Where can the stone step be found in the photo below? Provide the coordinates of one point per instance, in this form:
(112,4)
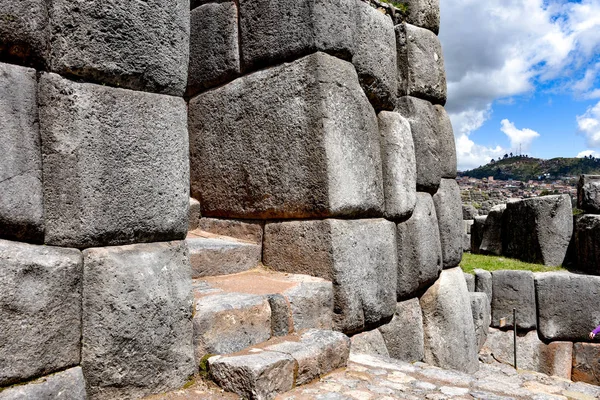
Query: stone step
(276,366)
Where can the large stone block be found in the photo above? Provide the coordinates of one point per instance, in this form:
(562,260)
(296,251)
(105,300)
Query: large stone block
(448,208)
(470,279)
(358,256)
(586,363)
(193,214)
(247,230)
(375,56)
(538,230)
(480,307)
(24,32)
(477,230)
(588,193)
(499,344)
(113,42)
(419,248)
(137,319)
(269,35)
(370,342)
(491,238)
(403,336)
(448,327)
(433,139)
(483,283)
(586,243)
(115,164)
(65,385)
(567,305)
(21,201)
(295,141)
(513,289)
(40,310)
(421,70)
(424,13)
(399,165)
(214,50)
(556,359)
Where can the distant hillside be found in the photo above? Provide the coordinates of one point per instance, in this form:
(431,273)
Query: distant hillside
(523,168)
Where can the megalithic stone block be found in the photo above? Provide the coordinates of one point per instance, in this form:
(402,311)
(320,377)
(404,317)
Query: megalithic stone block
(40,294)
(399,165)
(421,70)
(433,139)
(477,233)
(21,196)
(137,319)
(588,194)
(294,141)
(358,256)
(65,385)
(513,289)
(449,215)
(282,30)
(480,307)
(587,245)
(24,32)
(491,238)
(403,336)
(140,46)
(424,14)
(115,164)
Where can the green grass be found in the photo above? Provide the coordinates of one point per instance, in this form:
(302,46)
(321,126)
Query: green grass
(470,262)
(403,7)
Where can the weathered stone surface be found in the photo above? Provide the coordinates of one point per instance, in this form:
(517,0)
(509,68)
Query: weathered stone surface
(193,214)
(448,208)
(112,42)
(480,307)
(433,139)
(470,279)
(21,202)
(556,359)
(483,283)
(229,322)
(513,289)
(467,224)
(588,193)
(466,243)
(375,56)
(586,243)
(115,164)
(567,305)
(491,240)
(403,336)
(399,165)
(370,342)
(358,256)
(65,385)
(214,51)
(24,32)
(40,310)
(538,230)
(419,248)
(499,345)
(586,363)
(281,320)
(254,376)
(137,319)
(302,132)
(477,233)
(449,332)
(421,70)
(311,304)
(247,230)
(269,36)
(424,13)
(469,212)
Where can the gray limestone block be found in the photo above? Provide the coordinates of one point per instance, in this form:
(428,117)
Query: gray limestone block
(449,215)
(193,214)
(65,385)
(419,248)
(424,14)
(420,60)
(115,164)
(358,256)
(399,165)
(470,279)
(448,327)
(586,243)
(210,256)
(477,230)
(433,140)
(214,50)
(247,230)
(24,32)
(403,336)
(588,193)
(257,376)
(282,30)
(294,141)
(281,318)
(21,199)
(469,212)
(375,56)
(311,304)
(466,243)
(140,46)
(370,342)
(483,283)
(514,289)
(567,305)
(40,310)
(480,307)
(491,237)
(229,322)
(137,319)
(538,230)
(500,345)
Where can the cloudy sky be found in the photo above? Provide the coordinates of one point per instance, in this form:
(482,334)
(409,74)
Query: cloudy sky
(523,75)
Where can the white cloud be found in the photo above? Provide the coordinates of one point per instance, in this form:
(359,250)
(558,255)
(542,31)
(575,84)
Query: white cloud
(471,155)
(586,153)
(520,139)
(589,125)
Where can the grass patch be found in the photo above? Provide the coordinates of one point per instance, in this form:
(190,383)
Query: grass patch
(470,262)
(403,7)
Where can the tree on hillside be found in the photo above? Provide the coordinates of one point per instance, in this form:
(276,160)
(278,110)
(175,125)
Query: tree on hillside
(511,154)
(506,156)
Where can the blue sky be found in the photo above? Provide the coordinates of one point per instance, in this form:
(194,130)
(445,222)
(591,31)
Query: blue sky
(522,74)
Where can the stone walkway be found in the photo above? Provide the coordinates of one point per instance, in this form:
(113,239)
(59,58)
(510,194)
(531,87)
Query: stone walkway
(379,378)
